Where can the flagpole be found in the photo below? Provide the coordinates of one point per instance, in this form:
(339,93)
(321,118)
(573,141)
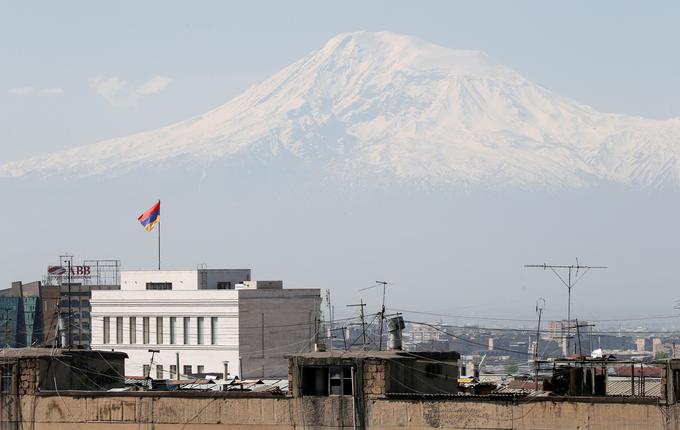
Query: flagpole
(159,242)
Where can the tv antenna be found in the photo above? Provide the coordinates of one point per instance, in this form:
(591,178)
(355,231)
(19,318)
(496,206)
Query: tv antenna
(575,273)
(540,305)
(384,284)
(363,322)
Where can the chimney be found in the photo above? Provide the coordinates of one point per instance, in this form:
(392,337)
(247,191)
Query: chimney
(395,326)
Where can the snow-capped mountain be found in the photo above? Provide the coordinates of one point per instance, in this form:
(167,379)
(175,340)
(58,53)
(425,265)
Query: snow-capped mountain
(408,110)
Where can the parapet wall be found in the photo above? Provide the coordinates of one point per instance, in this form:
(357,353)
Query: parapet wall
(253,411)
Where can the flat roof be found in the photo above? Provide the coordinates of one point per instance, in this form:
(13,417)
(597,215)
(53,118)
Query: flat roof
(179,270)
(386,355)
(58,352)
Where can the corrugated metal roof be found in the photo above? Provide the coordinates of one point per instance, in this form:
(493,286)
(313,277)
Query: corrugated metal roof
(622,387)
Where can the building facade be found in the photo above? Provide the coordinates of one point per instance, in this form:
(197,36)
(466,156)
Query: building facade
(28,314)
(175,324)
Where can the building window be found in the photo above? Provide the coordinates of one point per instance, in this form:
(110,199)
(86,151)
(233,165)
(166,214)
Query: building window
(159,330)
(433,370)
(173,330)
(159,285)
(225,286)
(107,330)
(200,369)
(173,371)
(185,334)
(340,381)
(145,330)
(159,371)
(327,381)
(6,378)
(213,330)
(199,331)
(204,281)
(133,330)
(119,330)
(146,369)
(186,369)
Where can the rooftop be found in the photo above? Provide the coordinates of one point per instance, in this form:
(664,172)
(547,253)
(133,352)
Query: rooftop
(385,355)
(58,352)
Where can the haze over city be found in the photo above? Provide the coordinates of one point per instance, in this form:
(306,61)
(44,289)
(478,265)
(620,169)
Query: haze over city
(440,148)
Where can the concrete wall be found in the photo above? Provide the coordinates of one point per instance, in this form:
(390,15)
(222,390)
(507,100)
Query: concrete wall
(182,280)
(272,324)
(226,411)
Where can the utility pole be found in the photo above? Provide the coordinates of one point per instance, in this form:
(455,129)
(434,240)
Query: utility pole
(68,277)
(578,335)
(363,322)
(329,329)
(382,309)
(540,305)
(573,276)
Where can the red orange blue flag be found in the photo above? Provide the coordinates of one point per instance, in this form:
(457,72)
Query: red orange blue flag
(150,218)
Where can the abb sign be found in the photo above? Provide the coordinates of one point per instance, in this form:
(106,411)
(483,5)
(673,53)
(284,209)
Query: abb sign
(64,271)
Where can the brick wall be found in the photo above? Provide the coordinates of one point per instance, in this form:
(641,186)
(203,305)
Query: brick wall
(374,378)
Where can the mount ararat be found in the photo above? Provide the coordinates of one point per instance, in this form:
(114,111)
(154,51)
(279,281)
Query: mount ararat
(406,111)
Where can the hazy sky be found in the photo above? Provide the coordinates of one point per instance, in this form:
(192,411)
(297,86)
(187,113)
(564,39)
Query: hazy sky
(77,72)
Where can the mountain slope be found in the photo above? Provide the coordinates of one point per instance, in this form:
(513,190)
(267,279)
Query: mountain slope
(405,109)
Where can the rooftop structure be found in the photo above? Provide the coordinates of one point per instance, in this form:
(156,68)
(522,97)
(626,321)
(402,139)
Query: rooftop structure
(27,370)
(373,373)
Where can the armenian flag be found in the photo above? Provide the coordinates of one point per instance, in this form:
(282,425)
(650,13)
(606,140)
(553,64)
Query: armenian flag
(150,218)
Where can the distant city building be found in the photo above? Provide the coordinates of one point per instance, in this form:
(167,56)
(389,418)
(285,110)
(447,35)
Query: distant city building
(75,283)
(28,315)
(567,335)
(203,319)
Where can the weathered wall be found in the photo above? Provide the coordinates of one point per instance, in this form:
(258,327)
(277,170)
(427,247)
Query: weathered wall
(215,411)
(273,324)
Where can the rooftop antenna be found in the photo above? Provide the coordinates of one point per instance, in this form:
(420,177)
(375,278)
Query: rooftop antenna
(329,329)
(570,282)
(382,309)
(363,323)
(540,305)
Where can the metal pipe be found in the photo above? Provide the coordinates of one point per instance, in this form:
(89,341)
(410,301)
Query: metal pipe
(354,408)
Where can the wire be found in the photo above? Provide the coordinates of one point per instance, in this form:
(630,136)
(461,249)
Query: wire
(480,317)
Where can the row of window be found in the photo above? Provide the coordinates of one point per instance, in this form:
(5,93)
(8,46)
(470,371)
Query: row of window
(203,286)
(76,315)
(160,338)
(74,304)
(187,370)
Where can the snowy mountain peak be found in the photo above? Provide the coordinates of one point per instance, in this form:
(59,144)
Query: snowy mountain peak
(408,110)
(391,51)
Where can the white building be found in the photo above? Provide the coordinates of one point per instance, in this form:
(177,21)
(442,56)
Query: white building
(206,317)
